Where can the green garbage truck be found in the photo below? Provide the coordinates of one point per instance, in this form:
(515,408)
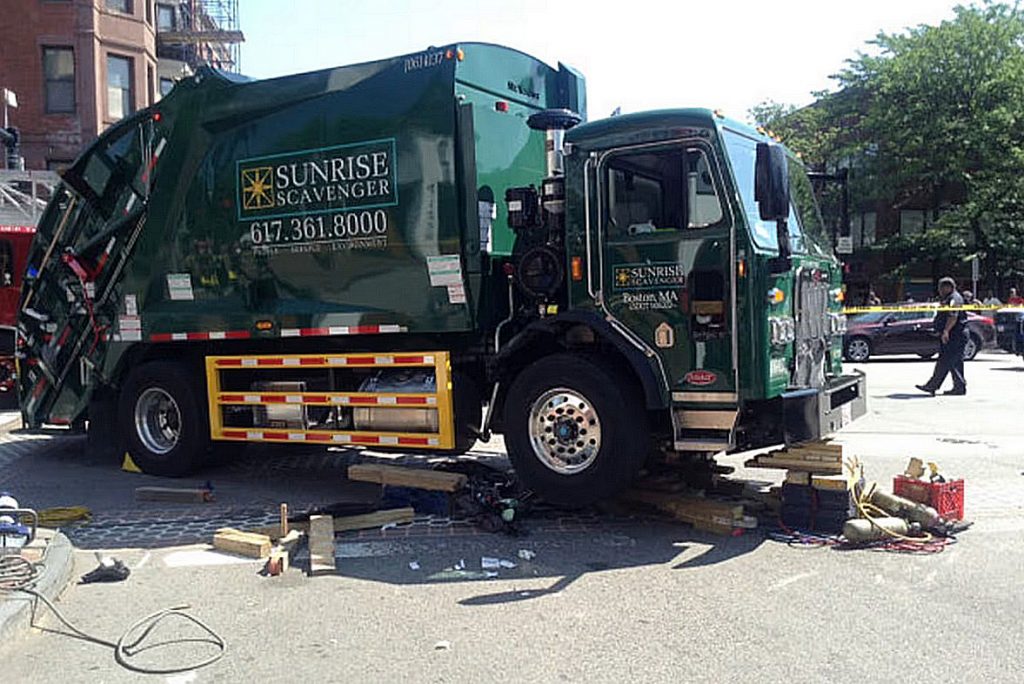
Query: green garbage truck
(418,252)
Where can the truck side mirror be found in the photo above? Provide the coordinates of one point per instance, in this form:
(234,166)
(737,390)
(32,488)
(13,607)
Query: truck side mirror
(771,191)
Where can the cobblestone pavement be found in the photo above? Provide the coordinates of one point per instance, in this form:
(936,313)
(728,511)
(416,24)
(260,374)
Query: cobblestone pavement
(976,439)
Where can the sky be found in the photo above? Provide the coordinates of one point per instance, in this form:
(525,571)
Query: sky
(635,54)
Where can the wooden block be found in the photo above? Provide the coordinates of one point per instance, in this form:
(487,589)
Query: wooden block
(407,477)
(249,544)
(284,520)
(365,521)
(798,477)
(788,464)
(375,519)
(832,483)
(173,494)
(321,545)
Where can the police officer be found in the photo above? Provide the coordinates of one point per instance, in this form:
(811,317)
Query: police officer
(952,329)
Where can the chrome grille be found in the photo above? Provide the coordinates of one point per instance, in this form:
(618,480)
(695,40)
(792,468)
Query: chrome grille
(812,329)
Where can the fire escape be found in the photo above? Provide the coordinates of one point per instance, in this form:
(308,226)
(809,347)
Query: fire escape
(198,32)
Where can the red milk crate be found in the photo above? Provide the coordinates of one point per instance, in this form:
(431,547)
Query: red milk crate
(945,497)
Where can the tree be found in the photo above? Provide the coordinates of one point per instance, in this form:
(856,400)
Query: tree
(933,113)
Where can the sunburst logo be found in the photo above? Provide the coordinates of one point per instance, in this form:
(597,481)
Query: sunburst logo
(258,188)
(622,277)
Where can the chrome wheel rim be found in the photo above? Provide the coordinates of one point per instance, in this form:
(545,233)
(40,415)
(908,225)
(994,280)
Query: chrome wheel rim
(565,431)
(157,420)
(858,350)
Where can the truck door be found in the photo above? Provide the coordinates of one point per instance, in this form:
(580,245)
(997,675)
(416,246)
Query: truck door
(666,259)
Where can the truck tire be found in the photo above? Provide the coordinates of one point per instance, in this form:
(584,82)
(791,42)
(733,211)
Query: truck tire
(576,431)
(163,420)
(858,349)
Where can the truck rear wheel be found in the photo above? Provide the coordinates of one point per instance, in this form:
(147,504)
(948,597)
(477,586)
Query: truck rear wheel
(163,420)
(576,432)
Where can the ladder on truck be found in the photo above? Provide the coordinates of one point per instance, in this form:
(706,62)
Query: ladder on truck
(292,401)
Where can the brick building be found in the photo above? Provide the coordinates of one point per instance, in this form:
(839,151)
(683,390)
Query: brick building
(77,66)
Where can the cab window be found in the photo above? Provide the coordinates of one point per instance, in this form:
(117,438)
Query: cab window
(660,191)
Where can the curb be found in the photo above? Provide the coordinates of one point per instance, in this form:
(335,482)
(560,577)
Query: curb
(57,569)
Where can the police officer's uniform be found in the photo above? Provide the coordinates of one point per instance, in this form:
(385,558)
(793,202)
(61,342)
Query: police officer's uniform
(951,354)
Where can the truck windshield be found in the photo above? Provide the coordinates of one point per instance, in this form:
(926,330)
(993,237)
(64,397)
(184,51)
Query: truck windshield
(801,194)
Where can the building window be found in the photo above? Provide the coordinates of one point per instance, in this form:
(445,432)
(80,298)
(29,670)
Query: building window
(165,18)
(912,222)
(150,84)
(120,93)
(149,11)
(59,76)
(165,86)
(123,6)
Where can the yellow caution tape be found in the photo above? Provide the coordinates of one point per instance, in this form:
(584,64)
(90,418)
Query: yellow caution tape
(922,308)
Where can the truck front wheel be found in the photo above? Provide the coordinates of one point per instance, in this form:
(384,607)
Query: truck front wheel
(576,432)
(163,420)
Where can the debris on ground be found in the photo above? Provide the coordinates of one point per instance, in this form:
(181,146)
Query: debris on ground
(363,521)
(248,544)
(282,552)
(108,570)
(175,494)
(419,478)
(816,457)
(442,645)
(321,545)
(705,514)
(875,519)
(414,565)
(526,554)
(423,501)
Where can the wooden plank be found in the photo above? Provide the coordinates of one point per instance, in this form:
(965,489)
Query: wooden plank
(786,464)
(685,508)
(173,494)
(398,476)
(321,545)
(832,483)
(247,544)
(375,519)
(364,521)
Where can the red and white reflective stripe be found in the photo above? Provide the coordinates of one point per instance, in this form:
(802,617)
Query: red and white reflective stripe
(343,400)
(285,332)
(342,330)
(354,360)
(200,336)
(324,437)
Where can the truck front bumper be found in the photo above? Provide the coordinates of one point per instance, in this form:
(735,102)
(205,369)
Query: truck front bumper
(816,413)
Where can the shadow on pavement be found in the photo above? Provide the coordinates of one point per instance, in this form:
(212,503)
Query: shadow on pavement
(564,553)
(904,395)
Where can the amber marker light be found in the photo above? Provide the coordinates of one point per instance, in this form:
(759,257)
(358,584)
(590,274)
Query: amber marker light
(741,268)
(577,268)
(776,296)
(264,325)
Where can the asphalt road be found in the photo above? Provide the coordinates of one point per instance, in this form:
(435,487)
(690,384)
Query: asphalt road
(602,600)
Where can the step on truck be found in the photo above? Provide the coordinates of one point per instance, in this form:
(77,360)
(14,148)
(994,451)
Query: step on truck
(414,253)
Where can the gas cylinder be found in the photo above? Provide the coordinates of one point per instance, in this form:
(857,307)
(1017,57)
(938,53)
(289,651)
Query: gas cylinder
(876,529)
